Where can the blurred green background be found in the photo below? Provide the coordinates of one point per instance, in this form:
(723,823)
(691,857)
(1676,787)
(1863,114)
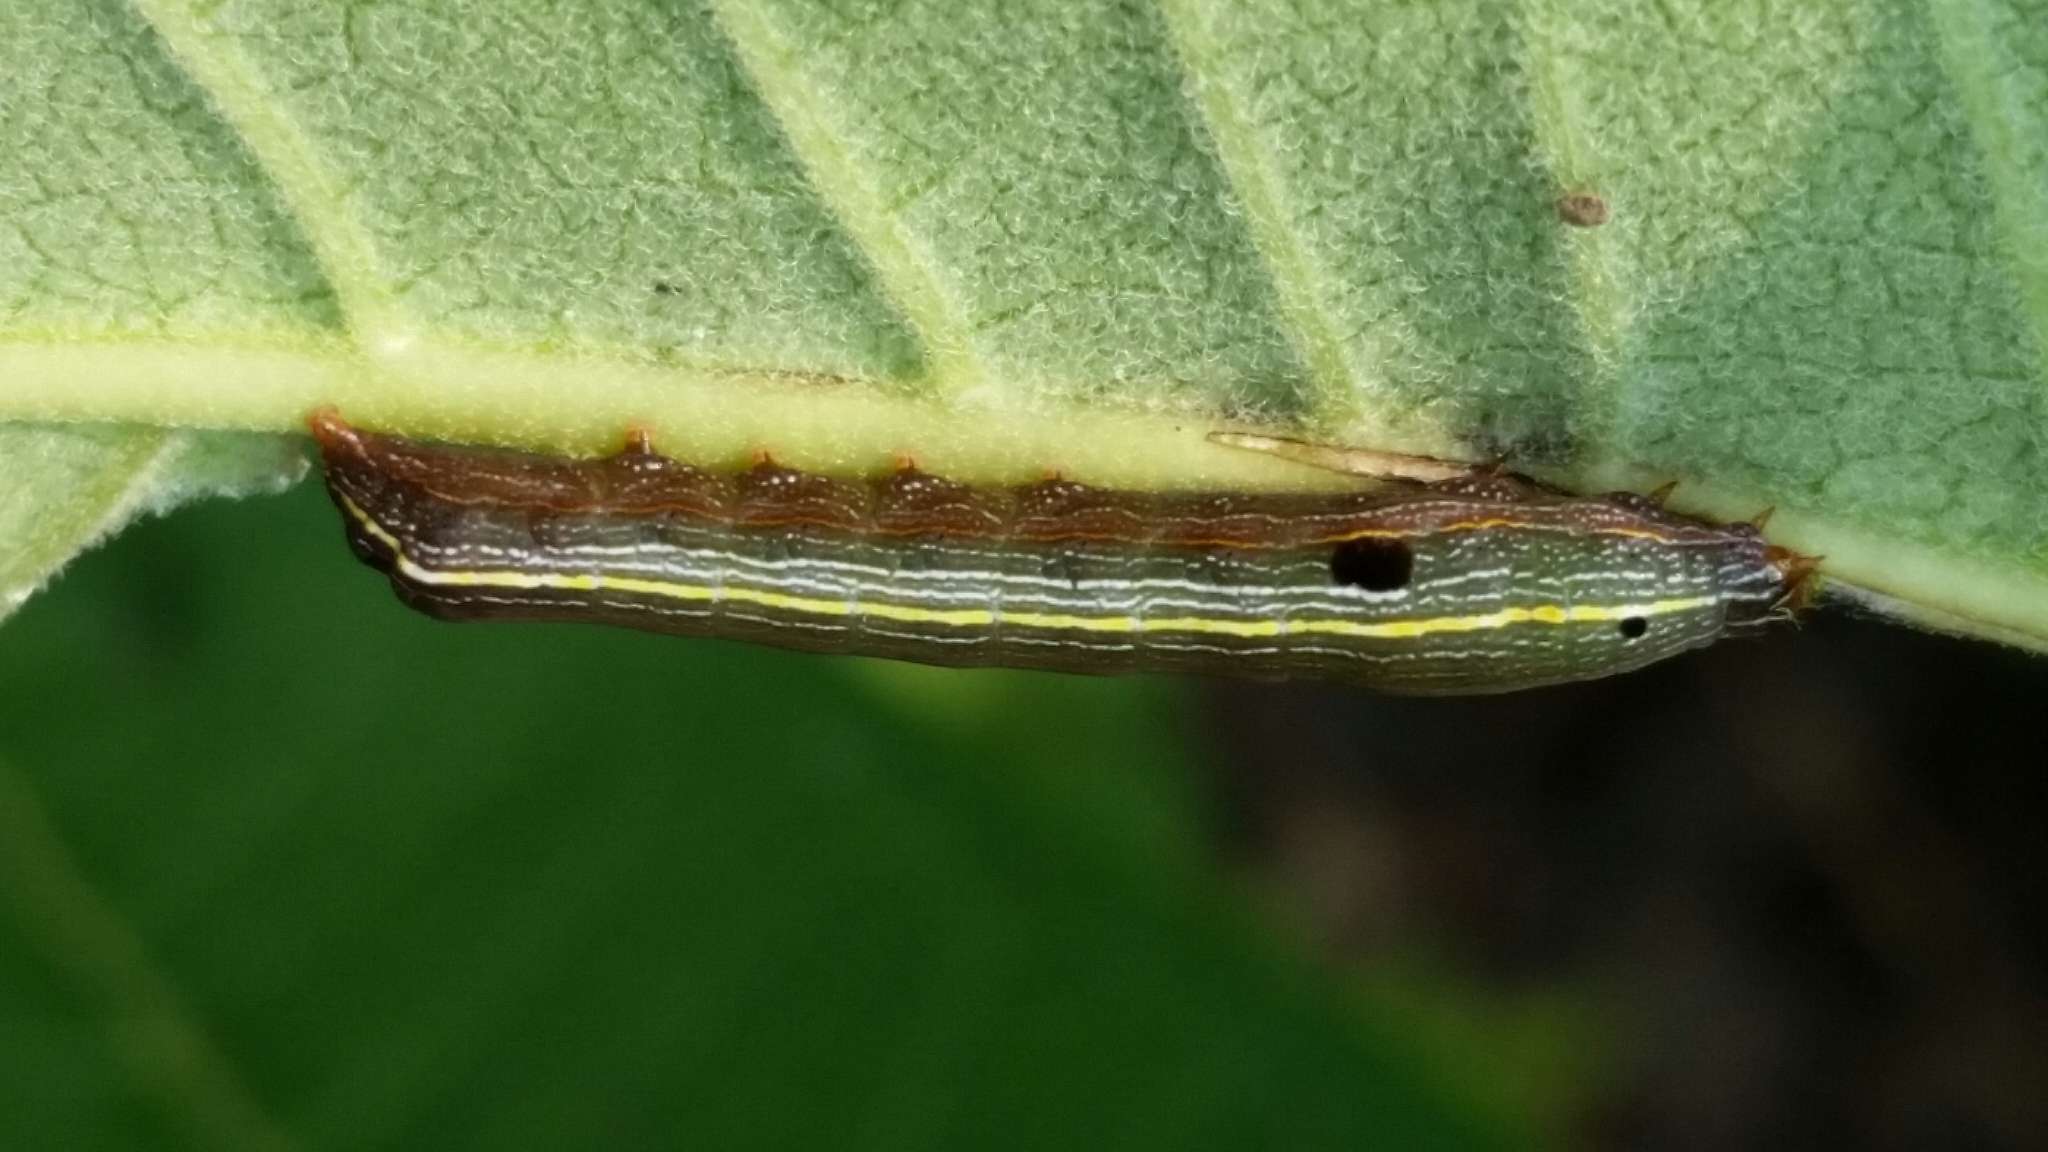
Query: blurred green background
(284,865)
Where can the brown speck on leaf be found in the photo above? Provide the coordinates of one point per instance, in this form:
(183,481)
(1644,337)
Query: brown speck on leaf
(1582,209)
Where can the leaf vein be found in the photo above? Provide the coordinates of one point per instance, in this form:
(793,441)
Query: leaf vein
(1305,289)
(1970,54)
(317,199)
(912,278)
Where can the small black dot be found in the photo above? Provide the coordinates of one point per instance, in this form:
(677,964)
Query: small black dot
(1374,565)
(1633,627)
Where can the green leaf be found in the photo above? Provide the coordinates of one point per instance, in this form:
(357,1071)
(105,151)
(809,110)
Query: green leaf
(1006,237)
(67,488)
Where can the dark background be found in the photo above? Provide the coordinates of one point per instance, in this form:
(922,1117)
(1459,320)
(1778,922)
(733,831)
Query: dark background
(283,865)
(1800,882)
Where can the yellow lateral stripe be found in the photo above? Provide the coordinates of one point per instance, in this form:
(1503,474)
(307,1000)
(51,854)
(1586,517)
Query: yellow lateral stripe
(1049,621)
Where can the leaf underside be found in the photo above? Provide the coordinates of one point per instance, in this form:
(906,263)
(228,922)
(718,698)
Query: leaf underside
(1006,237)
